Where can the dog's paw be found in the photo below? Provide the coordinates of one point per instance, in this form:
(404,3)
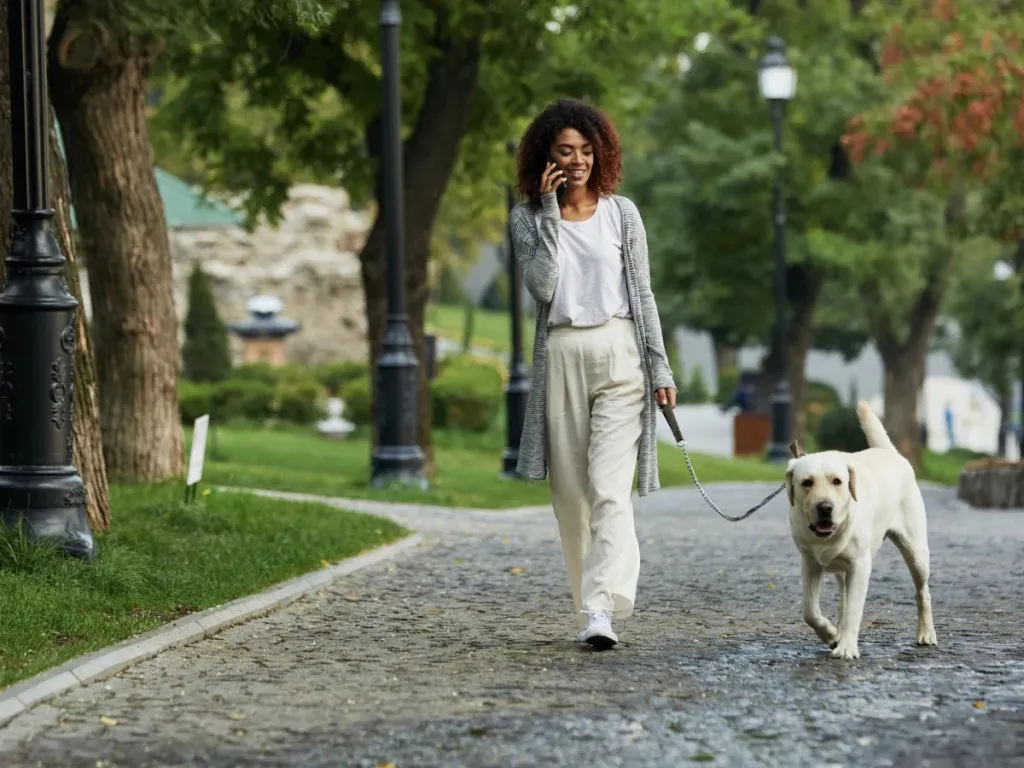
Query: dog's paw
(845,650)
(828,634)
(927,637)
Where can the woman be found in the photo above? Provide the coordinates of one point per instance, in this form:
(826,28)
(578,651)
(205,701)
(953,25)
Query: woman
(599,363)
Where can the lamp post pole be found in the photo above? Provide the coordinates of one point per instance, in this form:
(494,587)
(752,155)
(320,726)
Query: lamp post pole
(518,388)
(778,85)
(397,457)
(40,489)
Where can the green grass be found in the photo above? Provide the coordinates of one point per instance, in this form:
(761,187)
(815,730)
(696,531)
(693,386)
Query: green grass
(162,560)
(945,468)
(491,330)
(467,468)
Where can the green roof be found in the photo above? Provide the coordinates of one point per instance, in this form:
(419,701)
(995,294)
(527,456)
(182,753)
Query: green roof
(184,207)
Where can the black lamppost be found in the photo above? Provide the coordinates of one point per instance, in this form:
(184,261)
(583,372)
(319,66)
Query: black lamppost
(397,456)
(518,387)
(39,485)
(777,82)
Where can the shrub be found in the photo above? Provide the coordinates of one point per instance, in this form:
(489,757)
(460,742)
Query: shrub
(449,287)
(194,400)
(693,389)
(819,398)
(205,354)
(466,395)
(335,376)
(358,401)
(299,402)
(839,430)
(497,296)
(242,399)
(264,373)
(728,380)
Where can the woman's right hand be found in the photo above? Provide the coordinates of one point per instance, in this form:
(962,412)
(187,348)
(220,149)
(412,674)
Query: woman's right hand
(550,180)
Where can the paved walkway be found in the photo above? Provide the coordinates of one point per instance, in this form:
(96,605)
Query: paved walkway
(461,655)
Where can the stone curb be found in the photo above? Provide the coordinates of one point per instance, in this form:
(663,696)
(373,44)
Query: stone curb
(109,661)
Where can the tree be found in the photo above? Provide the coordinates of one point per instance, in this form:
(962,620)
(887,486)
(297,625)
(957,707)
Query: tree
(101,55)
(706,183)
(952,116)
(205,353)
(88,445)
(263,106)
(98,72)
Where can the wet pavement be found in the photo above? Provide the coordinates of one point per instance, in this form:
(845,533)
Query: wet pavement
(461,654)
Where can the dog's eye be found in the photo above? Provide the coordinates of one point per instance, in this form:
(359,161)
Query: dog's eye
(807,483)
(836,481)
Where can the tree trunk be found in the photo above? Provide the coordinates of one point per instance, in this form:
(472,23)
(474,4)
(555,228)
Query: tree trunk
(800,339)
(904,364)
(98,78)
(88,448)
(430,154)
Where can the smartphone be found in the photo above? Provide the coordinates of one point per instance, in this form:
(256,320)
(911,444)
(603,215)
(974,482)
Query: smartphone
(560,190)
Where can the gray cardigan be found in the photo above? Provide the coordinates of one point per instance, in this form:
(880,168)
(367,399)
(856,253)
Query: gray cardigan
(535,246)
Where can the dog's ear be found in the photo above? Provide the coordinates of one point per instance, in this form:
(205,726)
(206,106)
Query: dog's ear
(853,482)
(790,490)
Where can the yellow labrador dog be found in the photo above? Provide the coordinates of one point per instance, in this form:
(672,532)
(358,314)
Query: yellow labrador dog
(842,505)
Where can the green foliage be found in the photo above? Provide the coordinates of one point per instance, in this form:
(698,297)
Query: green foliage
(242,399)
(205,353)
(466,395)
(839,430)
(194,400)
(694,389)
(299,402)
(358,401)
(819,398)
(728,380)
(449,289)
(496,297)
(335,376)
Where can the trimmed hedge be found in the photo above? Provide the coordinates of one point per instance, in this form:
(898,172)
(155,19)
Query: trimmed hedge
(466,394)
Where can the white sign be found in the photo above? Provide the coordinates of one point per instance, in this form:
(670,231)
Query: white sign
(487,268)
(198,453)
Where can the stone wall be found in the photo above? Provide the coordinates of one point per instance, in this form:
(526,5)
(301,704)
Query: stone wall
(310,262)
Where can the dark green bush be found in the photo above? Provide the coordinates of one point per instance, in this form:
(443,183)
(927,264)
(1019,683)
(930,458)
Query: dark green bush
(357,398)
(299,402)
(205,355)
(728,380)
(261,372)
(194,400)
(335,376)
(839,430)
(819,398)
(693,389)
(242,399)
(466,395)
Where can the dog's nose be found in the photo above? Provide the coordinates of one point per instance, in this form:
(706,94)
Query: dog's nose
(824,508)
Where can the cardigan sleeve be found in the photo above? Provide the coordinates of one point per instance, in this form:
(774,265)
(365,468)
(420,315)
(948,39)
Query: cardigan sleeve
(661,371)
(536,247)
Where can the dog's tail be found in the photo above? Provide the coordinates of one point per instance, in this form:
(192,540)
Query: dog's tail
(872,427)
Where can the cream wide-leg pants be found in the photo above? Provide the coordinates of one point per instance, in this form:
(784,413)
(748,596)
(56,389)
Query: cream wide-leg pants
(595,397)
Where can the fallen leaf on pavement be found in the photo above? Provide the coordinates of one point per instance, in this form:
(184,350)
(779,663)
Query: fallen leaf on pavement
(236,716)
(108,720)
(505,541)
(979,704)
(385,765)
(351,598)
(324,564)
(515,570)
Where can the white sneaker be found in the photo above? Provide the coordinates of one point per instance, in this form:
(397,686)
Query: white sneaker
(598,633)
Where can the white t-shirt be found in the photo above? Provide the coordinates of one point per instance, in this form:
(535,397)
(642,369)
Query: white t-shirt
(591,287)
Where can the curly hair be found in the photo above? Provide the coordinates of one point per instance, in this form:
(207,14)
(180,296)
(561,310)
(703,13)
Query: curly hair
(535,147)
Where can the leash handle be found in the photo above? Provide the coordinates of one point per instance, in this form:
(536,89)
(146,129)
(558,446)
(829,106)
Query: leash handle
(673,424)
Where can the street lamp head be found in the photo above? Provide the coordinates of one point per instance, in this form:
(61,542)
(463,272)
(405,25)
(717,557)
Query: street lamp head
(390,15)
(775,77)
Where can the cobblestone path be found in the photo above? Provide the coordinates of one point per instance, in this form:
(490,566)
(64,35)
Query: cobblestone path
(461,654)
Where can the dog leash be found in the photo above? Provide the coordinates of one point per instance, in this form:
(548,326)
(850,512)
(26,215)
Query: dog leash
(673,424)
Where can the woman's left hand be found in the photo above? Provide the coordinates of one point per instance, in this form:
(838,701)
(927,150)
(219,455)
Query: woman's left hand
(665,395)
